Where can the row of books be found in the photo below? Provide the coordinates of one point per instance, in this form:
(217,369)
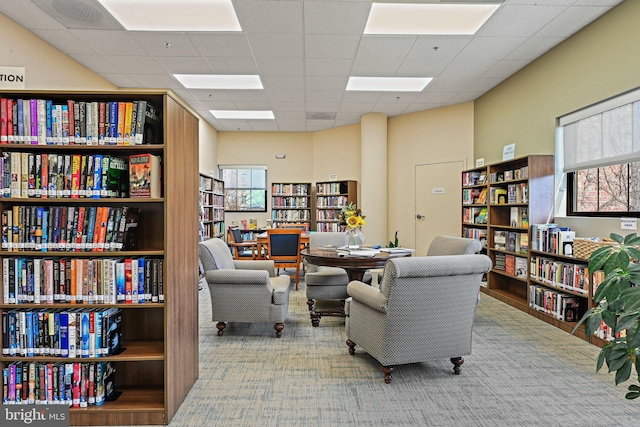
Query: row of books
(564,275)
(509,175)
(474,215)
(43,122)
(329,189)
(77,333)
(77,385)
(473,178)
(82,280)
(328,227)
(606,333)
(333,202)
(511,264)
(295,202)
(552,238)
(511,241)
(290,189)
(476,233)
(519,217)
(474,196)
(69,228)
(291,215)
(51,175)
(518,193)
(328,215)
(565,307)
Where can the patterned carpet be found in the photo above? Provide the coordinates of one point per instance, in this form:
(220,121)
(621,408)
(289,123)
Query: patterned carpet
(523,372)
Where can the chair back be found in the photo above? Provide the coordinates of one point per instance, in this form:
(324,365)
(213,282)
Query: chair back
(284,245)
(326,238)
(302,227)
(214,254)
(449,245)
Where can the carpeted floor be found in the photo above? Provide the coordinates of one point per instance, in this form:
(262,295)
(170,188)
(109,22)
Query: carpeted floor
(523,372)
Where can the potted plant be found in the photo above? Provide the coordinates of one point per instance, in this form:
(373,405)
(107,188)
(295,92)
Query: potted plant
(617,303)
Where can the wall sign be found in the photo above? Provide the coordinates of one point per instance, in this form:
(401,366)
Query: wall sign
(509,151)
(12,77)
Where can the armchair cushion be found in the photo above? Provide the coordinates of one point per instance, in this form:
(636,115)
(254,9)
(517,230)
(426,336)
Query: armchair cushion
(449,245)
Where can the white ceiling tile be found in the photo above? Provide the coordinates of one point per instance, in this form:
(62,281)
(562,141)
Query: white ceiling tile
(64,41)
(327,67)
(98,64)
(465,97)
(136,64)
(276,95)
(571,20)
(288,105)
(430,97)
(291,122)
(398,97)
(159,81)
(184,64)
(519,20)
(120,79)
(319,124)
(219,105)
(361,96)
(263,125)
(335,17)
(165,43)
(322,107)
(253,105)
(324,96)
(108,42)
(418,68)
(28,15)
(292,128)
(290,115)
(271,45)
(468,65)
(483,84)
(384,48)
(375,67)
(185,95)
(232,65)
(415,107)
(447,47)
(493,47)
(608,3)
(360,108)
(210,94)
(235,124)
(280,66)
(264,16)
(326,83)
(283,82)
(330,46)
(390,109)
(212,44)
(248,95)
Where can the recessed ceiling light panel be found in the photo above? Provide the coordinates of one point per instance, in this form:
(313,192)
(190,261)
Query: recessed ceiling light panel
(174,15)
(388,84)
(239,114)
(438,19)
(219,81)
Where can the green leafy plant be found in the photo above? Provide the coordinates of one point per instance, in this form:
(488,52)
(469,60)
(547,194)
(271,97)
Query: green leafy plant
(617,302)
(395,243)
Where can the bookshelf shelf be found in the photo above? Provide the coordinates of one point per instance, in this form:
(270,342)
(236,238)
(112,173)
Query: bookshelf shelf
(331,197)
(159,363)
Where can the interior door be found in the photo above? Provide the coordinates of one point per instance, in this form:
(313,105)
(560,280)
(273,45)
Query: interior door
(438,198)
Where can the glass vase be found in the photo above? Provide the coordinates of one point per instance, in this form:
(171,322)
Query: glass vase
(353,237)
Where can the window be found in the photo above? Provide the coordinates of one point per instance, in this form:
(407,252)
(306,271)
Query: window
(602,157)
(245,188)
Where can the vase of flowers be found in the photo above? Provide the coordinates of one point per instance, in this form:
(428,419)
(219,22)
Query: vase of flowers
(354,220)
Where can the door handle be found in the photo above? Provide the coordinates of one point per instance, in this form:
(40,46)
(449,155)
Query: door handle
(419,216)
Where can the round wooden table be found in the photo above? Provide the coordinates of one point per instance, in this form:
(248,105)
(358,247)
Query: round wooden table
(355,266)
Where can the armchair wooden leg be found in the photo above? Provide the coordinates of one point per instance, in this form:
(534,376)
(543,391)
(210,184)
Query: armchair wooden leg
(315,319)
(278,327)
(457,362)
(221,326)
(310,304)
(352,347)
(387,373)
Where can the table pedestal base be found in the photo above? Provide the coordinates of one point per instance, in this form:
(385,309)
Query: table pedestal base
(319,308)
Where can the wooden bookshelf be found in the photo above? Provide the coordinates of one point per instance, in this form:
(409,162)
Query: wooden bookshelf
(211,204)
(159,363)
(291,204)
(331,197)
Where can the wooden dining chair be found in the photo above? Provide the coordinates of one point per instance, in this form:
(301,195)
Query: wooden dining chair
(284,249)
(241,249)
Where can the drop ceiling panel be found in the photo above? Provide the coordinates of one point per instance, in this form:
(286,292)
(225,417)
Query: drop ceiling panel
(276,95)
(218,105)
(292,123)
(166,44)
(442,97)
(360,108)
(322,107)
(361,97)
(283,82)
(253,105)
(448,84)
(98,64)
(519,20)
(571,20)
(184,64)
(247,95)
(483,84)
(136,64)
(212,44)
(324,95)
(390,109)
(232,64)
(109,42)
(330,46)
(414,108)
(210,95)
(280,66)
(394,97)
(65,42)
(263,125)
(420,68)
(288,105)
(28,15)
(276,45)
(120,79)
(326,83)
(533,48)
(269,16)
(504,69)
(447,48)
(156,81)
(335,17)
(492,47)
(327,67)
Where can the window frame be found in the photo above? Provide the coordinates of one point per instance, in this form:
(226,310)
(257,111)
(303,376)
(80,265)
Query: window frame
(222,168)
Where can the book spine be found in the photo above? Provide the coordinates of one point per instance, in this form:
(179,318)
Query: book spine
(33,120)
(71,106)
(120,282)
(97,176)
(4,136)
(42,121)
(66,129)
(121,119)
(102,110)
(94,122)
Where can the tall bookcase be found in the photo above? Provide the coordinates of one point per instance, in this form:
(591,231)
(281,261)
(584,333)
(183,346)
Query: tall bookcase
(159,363)
(211,207)
(331,197)
(520,192)
(291,204)
(475,204)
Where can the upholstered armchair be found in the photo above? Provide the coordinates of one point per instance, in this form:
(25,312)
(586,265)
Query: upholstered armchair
(243,290)
(449,245)
(423,310)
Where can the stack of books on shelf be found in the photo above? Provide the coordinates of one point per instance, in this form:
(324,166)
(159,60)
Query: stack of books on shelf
(560,305)
(560,274)
(552,238)
(41,122)
(510,175)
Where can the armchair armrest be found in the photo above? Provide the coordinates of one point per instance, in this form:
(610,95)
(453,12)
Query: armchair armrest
(267,265)
(237,277)
(367,295)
